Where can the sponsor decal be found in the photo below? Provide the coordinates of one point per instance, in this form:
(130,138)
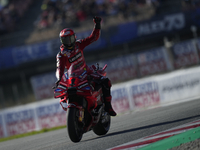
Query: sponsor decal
(62,87)
(83,85)
(166,24)
(58,90)
(180,86)
(81,76)
(66,53)
(145,94)
(78,65)
(87,88)
(95,75)
(66,75)
(75,57)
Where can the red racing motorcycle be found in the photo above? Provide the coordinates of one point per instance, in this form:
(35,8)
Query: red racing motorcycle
(83,97)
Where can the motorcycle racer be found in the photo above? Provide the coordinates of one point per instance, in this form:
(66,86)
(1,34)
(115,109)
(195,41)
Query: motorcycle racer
(71,52)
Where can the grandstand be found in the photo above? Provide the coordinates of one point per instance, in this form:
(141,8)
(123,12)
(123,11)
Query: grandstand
(128,27)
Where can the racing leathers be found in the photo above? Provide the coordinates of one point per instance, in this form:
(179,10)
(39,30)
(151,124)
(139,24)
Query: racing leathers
(65,58)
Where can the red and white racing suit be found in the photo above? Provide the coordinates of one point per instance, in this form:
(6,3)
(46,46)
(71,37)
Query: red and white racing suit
(66,58)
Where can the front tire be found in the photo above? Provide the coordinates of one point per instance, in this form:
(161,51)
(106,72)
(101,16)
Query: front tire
(74,128)
(103,126)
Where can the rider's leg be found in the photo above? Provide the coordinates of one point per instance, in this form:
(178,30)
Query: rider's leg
(107,96)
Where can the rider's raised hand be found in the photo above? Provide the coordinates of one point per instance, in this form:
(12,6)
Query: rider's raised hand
(97,21)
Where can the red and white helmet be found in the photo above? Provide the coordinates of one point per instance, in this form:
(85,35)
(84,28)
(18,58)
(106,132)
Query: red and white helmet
(67,38)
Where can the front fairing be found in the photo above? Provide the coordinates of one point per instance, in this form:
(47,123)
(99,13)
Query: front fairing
(74,80)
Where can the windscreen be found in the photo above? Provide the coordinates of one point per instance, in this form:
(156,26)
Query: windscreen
(74,71)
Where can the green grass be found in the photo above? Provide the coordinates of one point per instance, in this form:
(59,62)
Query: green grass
(30,133)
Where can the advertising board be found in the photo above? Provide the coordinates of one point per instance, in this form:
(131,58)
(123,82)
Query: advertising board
(32,52)
(42,85)
(5,55)
(18,122)
(152,61)
(179,87)
(120,100)
(161,25)
(121,68)
(1,127)
(51,115)
(185,54)
(145,94)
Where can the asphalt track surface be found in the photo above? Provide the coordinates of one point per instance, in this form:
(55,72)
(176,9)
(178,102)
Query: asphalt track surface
(124,128)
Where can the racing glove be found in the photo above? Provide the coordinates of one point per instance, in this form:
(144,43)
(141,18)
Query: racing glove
(97,21)
(56,84)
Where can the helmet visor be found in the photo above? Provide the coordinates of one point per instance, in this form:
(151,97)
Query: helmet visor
(68,40)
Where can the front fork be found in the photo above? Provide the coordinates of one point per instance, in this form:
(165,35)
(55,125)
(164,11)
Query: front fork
(74,105)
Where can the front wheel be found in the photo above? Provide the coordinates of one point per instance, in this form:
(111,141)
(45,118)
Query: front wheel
(103,126)
(74,127)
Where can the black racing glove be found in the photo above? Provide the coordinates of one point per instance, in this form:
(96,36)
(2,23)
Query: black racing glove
(97,21)
(56,84)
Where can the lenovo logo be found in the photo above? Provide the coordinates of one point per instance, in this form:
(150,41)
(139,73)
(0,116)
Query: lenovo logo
(74,58)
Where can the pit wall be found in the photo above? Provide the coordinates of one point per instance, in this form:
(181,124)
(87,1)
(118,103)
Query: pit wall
(175,87)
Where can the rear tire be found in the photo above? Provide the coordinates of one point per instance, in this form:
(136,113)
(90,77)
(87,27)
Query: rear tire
(74,128)
(103,126)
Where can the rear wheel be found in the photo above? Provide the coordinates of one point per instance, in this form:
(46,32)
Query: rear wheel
(74,127)
(103,126)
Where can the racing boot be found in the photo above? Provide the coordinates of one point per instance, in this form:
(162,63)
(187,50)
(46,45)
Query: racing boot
(108,106)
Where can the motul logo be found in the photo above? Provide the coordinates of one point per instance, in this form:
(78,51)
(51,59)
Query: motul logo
(169,23)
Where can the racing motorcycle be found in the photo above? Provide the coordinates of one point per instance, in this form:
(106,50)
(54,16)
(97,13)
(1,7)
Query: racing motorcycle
(83,97)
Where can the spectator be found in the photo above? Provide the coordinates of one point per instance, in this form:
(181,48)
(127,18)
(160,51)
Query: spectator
(11,13)
(75,11)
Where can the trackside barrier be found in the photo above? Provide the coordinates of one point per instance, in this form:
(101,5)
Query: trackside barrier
(177,86)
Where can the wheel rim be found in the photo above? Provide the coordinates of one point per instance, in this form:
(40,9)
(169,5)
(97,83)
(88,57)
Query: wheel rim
(106,121)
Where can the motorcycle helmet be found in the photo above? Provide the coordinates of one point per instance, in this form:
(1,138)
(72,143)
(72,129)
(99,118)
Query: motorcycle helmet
(68,38)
